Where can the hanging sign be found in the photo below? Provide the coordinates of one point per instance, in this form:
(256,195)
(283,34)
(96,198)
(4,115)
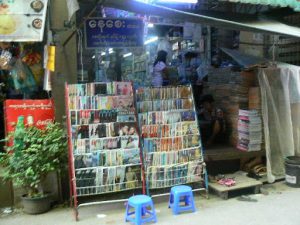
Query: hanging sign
(22,20)
(51,58)
(36,112)
(114,33)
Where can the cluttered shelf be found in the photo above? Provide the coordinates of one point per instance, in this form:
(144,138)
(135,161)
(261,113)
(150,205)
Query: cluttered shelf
(216,153)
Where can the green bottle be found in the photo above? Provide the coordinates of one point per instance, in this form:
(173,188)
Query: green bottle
(19,136)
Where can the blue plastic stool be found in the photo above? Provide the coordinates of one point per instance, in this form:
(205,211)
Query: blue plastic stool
(140,203)
(181,194)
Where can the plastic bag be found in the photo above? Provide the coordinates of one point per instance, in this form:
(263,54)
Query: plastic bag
(23,79)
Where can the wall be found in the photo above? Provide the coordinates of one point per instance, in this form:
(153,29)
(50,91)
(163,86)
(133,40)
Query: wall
(66,68)
(66,57)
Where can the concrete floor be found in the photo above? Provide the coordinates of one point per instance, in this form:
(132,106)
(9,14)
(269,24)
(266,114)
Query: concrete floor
(279,207)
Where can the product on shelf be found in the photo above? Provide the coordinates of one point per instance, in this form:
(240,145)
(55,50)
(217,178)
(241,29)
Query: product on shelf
(104,137)
(250,136)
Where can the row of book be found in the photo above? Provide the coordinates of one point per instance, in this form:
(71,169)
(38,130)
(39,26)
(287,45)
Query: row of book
(170,130)
(83,146)
(103,130)
(122,103)
(173,157)
(161,93)
(105,140)
(165,105)
(170,144)
(171,138)
(84,117)
(159,177)
(90,89)
(107,158)
(250,135)
(166,117)
(107,179)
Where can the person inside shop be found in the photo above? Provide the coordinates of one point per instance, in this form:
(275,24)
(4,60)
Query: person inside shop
(111,72)
(160,71)
(212,123)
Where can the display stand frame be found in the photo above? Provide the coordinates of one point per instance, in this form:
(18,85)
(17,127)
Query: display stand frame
(74,198)
(204,181)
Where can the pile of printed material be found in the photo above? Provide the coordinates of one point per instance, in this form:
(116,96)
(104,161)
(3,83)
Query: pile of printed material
(250,135)
(230,90)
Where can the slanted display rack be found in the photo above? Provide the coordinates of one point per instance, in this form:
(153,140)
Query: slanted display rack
(104,152)
(172,149)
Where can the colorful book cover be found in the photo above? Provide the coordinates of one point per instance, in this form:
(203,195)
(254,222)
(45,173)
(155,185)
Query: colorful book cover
(184,92)
(189,128)
(188,116)
(100,89)
(123,88)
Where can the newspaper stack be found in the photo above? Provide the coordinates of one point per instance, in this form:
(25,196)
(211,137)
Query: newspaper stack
(230,90)
(249,131)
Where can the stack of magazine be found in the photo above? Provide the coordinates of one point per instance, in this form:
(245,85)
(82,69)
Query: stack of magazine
(105,142)
(172,148)
(250,135)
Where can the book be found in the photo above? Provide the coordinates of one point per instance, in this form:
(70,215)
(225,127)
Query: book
(122,88)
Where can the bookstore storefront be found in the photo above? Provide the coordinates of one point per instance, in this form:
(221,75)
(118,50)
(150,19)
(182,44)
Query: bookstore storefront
(126,136)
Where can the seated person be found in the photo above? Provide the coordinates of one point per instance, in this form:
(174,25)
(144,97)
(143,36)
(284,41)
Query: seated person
(212,123)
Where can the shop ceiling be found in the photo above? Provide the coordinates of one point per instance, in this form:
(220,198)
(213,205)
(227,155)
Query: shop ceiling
(264,23)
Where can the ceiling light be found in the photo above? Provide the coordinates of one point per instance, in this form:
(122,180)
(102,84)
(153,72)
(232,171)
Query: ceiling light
(178,1)
(127,55)
(153,39)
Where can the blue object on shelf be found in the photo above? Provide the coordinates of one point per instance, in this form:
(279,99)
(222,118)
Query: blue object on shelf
(181,194)
(141,212)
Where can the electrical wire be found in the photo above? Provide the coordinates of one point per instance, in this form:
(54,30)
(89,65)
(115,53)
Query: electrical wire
(80,50)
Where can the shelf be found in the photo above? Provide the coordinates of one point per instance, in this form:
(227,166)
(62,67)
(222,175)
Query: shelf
(219,153)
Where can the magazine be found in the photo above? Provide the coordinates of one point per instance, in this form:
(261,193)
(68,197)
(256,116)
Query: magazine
(99,89)
(123,88)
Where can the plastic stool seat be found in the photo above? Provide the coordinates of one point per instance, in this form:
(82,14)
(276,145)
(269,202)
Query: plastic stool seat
(142,213)
(139,199)
(181,194)
(181,189)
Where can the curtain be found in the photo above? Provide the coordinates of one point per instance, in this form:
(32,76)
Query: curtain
(280,93)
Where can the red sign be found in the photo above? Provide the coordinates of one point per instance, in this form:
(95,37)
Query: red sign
(35,112)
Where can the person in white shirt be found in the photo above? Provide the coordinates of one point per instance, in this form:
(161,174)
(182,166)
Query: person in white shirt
(159,69)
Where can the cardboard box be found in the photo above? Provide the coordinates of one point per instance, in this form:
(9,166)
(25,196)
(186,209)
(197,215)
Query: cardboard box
(250,37)
(254,50)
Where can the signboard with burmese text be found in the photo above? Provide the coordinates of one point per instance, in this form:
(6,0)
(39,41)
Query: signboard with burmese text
(114,33)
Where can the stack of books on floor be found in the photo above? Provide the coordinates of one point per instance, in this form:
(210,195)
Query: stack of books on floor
(249,130)
(230,90)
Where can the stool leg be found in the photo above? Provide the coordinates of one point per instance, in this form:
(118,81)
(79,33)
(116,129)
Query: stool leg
(144,210)
(126,212)
(187,200)
(171,200)
(153,212)
(176,204)
(138,215)
(192,202)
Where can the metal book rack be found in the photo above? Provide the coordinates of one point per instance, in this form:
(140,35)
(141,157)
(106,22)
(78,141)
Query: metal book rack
(165,152)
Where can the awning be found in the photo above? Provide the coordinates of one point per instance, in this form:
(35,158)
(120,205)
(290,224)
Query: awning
(244,60)
(22,20)
(216,19)
(294,4)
